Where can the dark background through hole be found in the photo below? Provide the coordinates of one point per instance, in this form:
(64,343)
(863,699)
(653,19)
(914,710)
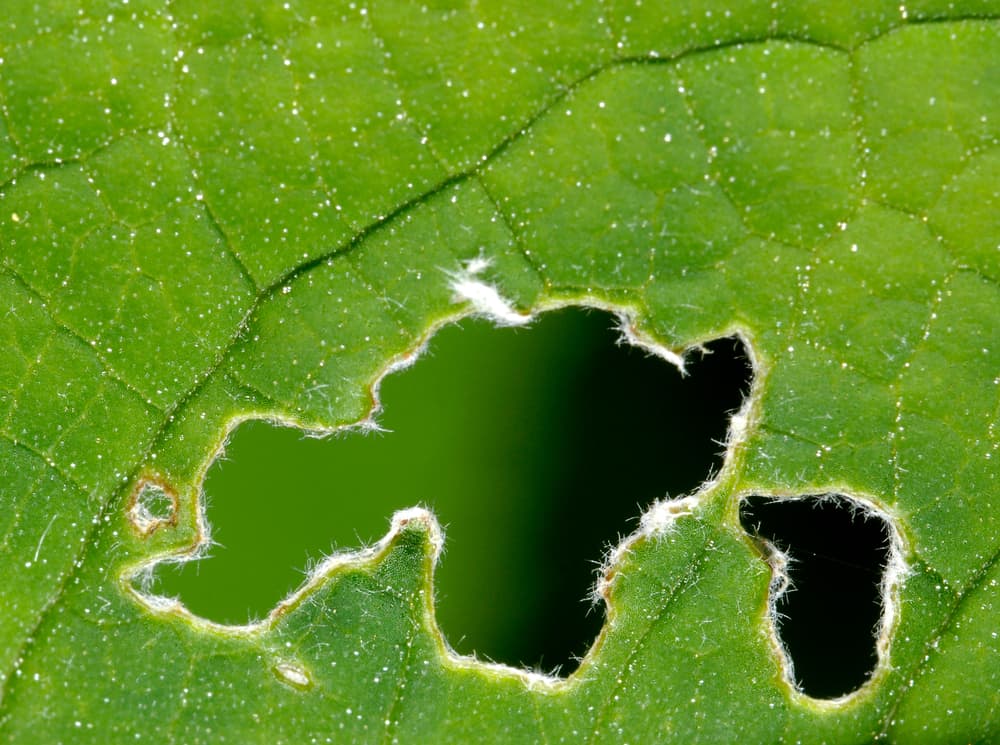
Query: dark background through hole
(828,621)
(635,431)
(536,448)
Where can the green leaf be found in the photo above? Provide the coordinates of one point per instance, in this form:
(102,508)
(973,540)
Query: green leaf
(212,212)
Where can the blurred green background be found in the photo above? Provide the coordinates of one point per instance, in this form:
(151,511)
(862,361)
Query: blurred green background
(535,447)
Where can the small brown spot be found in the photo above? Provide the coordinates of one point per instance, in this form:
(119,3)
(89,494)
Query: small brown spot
(152,505)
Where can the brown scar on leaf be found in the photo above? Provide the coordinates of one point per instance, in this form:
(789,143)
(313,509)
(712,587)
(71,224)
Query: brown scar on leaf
(153,504)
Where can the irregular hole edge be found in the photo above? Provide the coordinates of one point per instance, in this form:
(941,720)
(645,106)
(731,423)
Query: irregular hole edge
(894,575)
(135,578)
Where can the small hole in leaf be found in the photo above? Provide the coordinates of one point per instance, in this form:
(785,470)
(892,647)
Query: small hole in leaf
(828,618)
(535,447)
(152,506)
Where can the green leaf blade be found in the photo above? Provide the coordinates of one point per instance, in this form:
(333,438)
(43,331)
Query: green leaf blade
(223,213)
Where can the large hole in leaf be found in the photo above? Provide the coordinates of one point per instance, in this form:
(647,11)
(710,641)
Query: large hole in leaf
(829,616)
(536,448)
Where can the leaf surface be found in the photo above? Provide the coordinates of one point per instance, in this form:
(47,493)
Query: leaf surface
(210,212)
